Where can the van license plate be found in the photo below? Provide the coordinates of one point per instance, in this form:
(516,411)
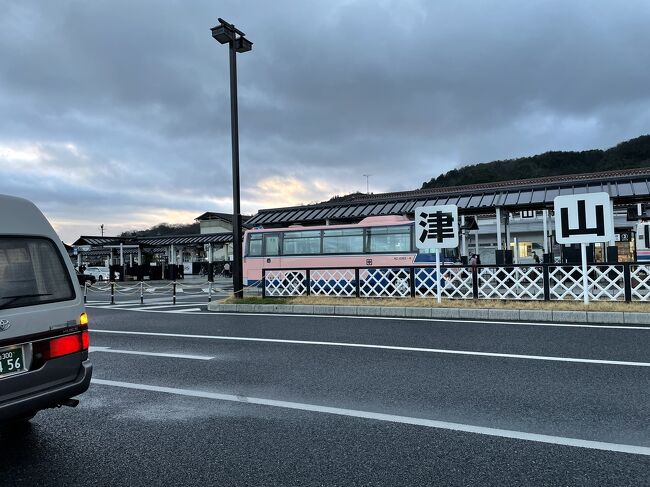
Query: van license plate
(11,360)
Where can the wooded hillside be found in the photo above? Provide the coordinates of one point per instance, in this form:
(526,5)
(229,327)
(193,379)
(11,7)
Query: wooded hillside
(630,154)
(164,229)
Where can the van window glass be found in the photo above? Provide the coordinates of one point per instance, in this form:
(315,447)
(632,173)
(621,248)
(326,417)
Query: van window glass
(390,239)
(255,245)
(272,244)
(32,272)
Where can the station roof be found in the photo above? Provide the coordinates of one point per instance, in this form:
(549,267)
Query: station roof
(155,241)
(186,239)
(94,240)
(226,217)
(624,186)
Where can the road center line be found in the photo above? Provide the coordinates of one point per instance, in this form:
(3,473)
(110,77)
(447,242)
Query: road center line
(429,423)
(380,347)
(149,354)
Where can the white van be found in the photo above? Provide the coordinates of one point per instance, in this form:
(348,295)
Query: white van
(43,326)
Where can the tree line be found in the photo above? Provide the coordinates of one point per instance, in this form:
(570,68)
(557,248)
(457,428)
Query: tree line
(630,154)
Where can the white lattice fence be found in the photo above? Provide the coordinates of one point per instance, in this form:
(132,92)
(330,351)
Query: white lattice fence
(332,282)
(640,282)
(511,283)
(392,282)
(605,282)
(456,282)
(285,283)
(565,282)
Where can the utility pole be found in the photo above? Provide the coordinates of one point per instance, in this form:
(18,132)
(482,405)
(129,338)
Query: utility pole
(102,228)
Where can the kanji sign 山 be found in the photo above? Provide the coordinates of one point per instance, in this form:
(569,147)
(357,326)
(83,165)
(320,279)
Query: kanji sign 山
(436,227)
(583,218)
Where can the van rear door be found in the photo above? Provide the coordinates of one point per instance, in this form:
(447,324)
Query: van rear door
(37,295)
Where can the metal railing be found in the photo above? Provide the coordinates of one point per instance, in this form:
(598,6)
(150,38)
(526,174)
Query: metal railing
(142,289)
(543,282)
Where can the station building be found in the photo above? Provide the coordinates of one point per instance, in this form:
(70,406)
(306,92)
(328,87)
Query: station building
(503,222)
(213,244)
(514,218)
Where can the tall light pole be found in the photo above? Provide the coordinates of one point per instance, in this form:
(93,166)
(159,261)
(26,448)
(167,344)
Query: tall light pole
(367,176)
(226,33)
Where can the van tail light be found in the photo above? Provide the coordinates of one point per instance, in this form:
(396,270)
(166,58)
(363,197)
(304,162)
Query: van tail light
(65,345)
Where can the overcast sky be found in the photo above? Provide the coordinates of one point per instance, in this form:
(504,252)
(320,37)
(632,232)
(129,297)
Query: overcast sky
(117,112)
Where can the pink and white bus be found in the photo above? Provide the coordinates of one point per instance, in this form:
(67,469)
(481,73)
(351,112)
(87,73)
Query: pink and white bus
(376,241)
(643,242)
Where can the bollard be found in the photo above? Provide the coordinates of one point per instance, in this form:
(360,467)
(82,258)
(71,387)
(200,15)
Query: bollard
(209,292)
(85,292)
(174,292)
(141,292)
(112,293)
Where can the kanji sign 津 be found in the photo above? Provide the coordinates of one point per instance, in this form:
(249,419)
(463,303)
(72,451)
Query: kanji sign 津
(436,227)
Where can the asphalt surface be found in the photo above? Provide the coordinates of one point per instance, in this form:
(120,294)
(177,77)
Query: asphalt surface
(211,420)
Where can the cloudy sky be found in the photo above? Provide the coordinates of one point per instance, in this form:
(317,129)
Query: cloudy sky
(117,112)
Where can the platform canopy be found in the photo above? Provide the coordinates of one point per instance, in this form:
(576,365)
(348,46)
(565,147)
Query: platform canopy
(625,187)
(155,241)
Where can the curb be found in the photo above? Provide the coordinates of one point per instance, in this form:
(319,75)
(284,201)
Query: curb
(609,317)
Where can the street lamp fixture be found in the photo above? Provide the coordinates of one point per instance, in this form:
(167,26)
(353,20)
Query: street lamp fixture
(243,45)
(226,33)
(222,33)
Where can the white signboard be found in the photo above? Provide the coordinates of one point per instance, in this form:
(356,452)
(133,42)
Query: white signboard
(436,227)
(187,268)
(583,218)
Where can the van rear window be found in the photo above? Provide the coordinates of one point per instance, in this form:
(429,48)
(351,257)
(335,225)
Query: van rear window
(32,272)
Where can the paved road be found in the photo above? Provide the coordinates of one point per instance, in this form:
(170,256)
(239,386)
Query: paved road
(204,399)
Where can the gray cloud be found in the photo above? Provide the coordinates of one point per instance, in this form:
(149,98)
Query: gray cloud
(124,105)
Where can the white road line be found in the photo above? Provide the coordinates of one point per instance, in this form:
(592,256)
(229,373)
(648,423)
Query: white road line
(437,320)
(382,347)
(160,306)
(145,310)
(140,307)
(150,354)
(392,418)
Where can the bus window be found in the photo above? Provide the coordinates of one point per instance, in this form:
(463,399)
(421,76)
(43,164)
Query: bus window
(389,239)
(255,245)
(450,255)
(301,243)
(271,244)
(343,241)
